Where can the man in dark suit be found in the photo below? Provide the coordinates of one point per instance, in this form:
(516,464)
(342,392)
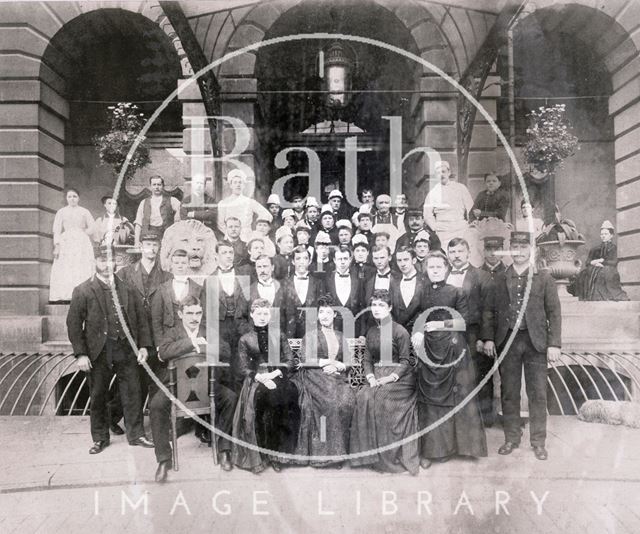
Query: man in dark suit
(382,279)
(477,286)
(199,205)
(537,341)
(415,224)
(346,289)
(300,291)
(101,347)
(493,250)
(233,227)
(145,278)
(166,301)
(406,291)
(231,291)
(183,338)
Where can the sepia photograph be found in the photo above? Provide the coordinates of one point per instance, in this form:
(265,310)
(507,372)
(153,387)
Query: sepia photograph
(312,266)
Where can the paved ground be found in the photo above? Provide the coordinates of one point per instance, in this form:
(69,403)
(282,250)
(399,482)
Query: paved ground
(49,483)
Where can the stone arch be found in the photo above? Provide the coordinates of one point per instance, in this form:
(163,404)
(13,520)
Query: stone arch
(609,33)
(32,132)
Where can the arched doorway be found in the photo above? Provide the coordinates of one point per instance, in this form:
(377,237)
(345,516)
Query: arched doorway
(105,57)
(293,101)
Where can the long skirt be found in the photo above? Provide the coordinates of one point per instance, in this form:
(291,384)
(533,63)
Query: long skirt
(326,404)
(600,283)
(385,415)
(443,383)
(74,264)
(268,418)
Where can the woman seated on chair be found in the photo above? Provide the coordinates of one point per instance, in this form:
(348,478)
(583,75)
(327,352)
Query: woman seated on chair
(386,410)
(267,414)
(445,372)
(324,390)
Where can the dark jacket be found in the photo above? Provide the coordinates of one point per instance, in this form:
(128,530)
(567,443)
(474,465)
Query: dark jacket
(87,318)
(240,317)
(401,313)
(295,317)
(250,357)
(206,212)
(477,286)
(543,317)
(132,276)
(164,307)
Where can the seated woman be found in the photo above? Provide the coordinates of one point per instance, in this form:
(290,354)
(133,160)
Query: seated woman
(267,414)
(386,411)
(599,280)
(324,390)
(492,202)
(446,374)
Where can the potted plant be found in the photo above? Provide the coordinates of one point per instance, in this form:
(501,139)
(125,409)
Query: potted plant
(559,242)
(549,141)
(113,147)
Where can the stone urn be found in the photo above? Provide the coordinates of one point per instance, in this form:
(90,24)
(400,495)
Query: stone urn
(560,258)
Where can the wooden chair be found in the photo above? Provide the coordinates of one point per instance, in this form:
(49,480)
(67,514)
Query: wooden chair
(191,381)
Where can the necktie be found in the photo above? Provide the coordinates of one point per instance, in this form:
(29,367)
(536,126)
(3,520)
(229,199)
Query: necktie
(459,272)
(409,278)
(302,277)
(382,275)
(343,275)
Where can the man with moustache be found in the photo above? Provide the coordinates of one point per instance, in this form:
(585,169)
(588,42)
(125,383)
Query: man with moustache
(232,229)
(300,291)
(199,205)
(536,343)
(416,224)
(476,285)
(186,337)
(101,347)
(156,213)
(166,301)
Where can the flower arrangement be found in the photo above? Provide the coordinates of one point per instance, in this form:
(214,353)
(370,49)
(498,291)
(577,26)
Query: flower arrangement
(549,138)
(113,147)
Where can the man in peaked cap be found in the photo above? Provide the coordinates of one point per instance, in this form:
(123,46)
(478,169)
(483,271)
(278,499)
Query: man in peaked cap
(536,343)
(415,223)
(493,248)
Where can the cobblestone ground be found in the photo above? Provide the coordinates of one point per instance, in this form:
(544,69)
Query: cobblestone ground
(49,483)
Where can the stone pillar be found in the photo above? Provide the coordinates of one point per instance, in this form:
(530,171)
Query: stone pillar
(31,185)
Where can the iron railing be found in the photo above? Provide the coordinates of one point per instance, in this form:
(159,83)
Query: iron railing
(51,384)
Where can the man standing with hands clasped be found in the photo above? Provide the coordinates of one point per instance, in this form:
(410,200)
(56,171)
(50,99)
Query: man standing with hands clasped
(536,343)
(101,347)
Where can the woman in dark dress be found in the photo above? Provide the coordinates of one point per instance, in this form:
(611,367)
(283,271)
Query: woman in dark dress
(599,280)
(267,413)
(386,410)
(445,372)
(324,390)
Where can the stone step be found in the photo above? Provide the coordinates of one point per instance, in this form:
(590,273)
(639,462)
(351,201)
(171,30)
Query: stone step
(55,347)
(608,307)
(56,309)
(54,328)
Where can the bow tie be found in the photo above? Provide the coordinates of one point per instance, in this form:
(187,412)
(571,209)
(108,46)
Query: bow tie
(382,275)
(343,275)
(461,271)
(225,271)
(302,277)
(266,284)
(408,279)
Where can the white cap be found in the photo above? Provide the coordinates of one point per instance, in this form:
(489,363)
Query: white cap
(344,223)
(273,199)
(311,201)
(288,213)
(607,224)
(233,173)
(323,237)
(283,231)
(335,193)
(326,208)
(265,217)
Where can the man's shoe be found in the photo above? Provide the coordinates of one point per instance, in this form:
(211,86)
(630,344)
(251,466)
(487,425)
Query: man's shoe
(116,429)
(276,467)
(99,446)
(142,441)
(508,447)
(163,471)
(225,461)
(425,463)
(540,452)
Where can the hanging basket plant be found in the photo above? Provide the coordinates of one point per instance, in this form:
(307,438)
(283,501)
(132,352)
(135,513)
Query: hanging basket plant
(549,139)
(114,146)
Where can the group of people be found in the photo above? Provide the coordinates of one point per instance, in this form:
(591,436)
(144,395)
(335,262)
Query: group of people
(431,325)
